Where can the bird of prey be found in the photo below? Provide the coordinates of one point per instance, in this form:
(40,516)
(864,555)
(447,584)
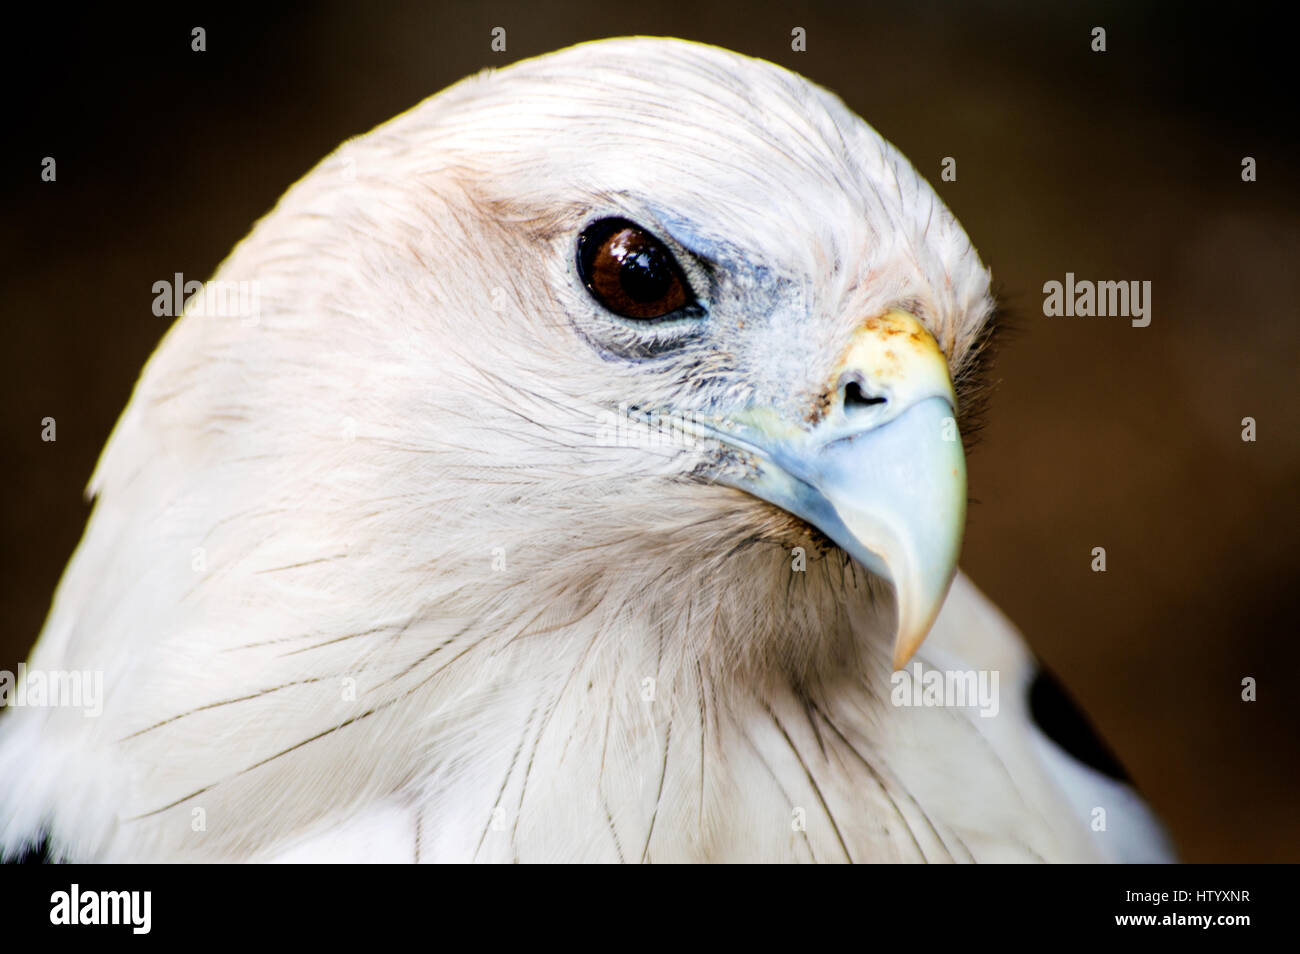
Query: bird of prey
(589,463)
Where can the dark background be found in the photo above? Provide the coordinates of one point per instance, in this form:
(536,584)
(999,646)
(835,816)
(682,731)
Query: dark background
(1116,166)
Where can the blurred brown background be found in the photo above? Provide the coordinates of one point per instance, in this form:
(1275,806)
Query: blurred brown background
(1116,166)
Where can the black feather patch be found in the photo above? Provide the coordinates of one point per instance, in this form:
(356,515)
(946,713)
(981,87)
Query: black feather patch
(1062,721)
(37,852)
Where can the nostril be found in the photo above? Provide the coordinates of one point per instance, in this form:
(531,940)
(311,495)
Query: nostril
(855,397)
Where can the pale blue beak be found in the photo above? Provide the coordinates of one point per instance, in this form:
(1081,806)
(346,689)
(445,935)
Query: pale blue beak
(883,475)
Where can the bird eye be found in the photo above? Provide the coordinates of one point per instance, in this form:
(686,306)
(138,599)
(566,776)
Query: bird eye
(629,271)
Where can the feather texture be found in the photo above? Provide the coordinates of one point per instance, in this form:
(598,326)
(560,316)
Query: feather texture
(383,571)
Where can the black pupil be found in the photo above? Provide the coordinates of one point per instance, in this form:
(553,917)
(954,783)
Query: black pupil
(645,275)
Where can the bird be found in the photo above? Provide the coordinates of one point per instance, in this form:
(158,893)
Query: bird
(571,469)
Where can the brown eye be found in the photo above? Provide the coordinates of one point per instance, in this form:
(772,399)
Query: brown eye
(629,271)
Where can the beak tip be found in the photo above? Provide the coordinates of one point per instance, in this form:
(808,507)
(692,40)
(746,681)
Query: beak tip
(915,625)
(905,648)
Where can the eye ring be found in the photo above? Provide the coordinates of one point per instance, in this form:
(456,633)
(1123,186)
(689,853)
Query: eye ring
(630,272)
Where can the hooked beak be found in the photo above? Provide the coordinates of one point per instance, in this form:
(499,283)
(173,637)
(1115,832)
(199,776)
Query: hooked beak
(883,474)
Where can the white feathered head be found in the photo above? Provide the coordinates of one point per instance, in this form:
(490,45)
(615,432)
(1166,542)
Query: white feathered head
(563,372)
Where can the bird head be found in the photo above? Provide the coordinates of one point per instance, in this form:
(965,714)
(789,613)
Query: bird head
(642,357)
(739,284)
(639,317)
